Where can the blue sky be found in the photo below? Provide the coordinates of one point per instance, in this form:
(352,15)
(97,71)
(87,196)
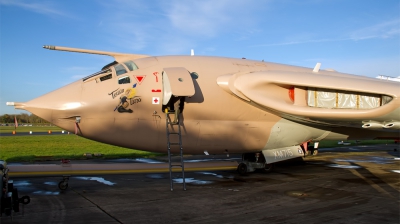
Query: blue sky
(351,36)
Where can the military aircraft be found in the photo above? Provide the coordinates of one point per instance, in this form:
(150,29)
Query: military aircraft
(269,112)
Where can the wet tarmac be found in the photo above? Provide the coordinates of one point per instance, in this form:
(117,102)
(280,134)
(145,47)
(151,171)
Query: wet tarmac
(350,185)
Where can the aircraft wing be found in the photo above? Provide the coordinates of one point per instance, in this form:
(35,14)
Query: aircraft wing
(323,97)
(119,57)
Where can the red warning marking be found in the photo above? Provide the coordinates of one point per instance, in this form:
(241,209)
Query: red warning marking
(156,90)
(291,94)
(156,75)
(139,78)
(156,100)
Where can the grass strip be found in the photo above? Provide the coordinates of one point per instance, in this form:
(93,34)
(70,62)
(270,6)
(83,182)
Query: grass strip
(55,147)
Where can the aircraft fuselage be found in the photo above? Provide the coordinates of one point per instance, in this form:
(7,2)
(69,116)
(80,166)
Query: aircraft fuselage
(127,110)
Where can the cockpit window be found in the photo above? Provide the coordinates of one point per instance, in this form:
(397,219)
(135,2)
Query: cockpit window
(100,73)
(120,69)
(131,65)
(109,65)
(124,80)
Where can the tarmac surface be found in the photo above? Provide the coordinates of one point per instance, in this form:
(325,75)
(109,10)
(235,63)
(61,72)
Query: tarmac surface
(353,184)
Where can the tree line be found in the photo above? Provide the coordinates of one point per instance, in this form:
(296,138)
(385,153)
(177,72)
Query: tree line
(22,119)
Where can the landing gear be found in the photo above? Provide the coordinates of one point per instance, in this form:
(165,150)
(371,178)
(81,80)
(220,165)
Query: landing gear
(242,169)
(312,151)
(252,162)
(63,185)
(9,199)
(268,168)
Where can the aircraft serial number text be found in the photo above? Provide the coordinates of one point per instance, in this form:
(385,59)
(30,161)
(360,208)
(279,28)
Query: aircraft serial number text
(283,153)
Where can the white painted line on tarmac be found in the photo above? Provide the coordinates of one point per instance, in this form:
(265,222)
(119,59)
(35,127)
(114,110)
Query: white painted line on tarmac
(344,166)
(98,179)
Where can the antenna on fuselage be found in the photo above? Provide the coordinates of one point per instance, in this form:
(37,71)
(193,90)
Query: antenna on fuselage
(316,68)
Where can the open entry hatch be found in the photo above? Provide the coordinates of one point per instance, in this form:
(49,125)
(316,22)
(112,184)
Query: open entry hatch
(178,82)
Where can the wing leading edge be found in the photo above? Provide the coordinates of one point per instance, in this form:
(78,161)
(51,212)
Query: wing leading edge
(117,56)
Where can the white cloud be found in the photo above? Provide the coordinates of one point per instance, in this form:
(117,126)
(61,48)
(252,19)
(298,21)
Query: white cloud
(80,72)
(203,18)
(134,36)
(382,30)
(127,28)
(371,67)
(77,68)
(46,8)
(303,42)
(209,18)
(76,77)
(174,27)
(176,45)
(385,29)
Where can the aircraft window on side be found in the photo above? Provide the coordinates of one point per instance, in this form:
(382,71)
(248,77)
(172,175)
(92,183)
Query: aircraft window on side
(131,65)
(106,77)
(327,98)
(120,69)
(386,99)
(124,80)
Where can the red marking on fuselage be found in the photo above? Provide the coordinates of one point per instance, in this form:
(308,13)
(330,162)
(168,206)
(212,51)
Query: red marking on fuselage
(140,78)
(156,75)
(291,94)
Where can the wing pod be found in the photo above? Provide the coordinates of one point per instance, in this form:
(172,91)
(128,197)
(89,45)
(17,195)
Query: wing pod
(336,97)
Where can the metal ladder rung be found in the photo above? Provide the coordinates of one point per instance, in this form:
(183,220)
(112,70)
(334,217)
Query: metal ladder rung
(169,144)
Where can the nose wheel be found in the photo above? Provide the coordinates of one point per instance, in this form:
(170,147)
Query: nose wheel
(63,184)
(252,162)
(312,151)
(242,169)
(268,168)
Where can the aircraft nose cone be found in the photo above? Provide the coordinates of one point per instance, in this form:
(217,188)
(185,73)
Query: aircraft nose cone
(61,103)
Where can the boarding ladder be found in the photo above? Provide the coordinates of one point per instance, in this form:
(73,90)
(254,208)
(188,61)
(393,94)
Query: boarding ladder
(170,124)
